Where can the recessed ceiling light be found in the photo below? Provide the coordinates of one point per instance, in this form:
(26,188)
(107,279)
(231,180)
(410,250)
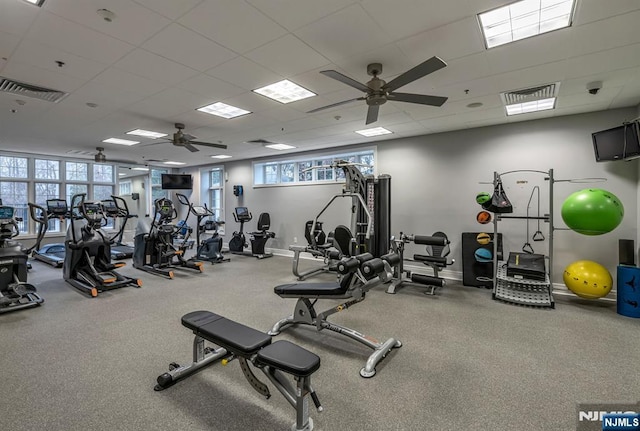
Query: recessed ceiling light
(285,91)
(221,156)
(174,163)
(524,19)
(122,174)
(147,134)
(140,169)
(534,106)
(223,110)
(120,141)
(376,131)
(35,2)
(279,146)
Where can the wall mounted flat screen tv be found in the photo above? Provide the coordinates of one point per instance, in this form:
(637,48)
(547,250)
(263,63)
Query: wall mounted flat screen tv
(618,143)
(177,182)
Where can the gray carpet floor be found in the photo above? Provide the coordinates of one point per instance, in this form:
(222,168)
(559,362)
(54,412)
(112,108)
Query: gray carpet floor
(467,362)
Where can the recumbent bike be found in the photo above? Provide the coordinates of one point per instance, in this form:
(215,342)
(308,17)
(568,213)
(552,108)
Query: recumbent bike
(258,239)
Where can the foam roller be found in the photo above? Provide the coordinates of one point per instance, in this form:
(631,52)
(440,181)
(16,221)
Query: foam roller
(428,280)
(346,266)
(430,259)
(392,259)
(430,240)
(373,266)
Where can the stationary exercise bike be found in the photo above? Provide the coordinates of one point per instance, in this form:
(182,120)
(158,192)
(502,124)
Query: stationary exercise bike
(87,261)
(15,292)
(258,239)
(209,249)
(155,250)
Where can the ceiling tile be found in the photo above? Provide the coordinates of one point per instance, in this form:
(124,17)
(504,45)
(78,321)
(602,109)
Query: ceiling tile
(293,14)
(233,24)
(68,36)
(620,30)
(393,60)
(41,77)
(211,87)
(395,21)
(170,8)
(588,11)
(188,48)
(102,95)
(287,56)
(8,42)
(347,32)
(132,23)
(600,62)
(154,67)
(35,54)
(16,17)
(530,77)
(244,73)
(126,81)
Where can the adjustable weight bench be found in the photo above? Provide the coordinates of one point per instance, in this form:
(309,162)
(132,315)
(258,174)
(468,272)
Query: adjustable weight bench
(248,345)
(359,274)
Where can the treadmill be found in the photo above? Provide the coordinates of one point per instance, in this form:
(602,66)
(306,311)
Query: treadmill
(116,207)
(52,254)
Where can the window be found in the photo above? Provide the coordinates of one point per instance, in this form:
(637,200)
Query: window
(156,185)
(76,171)
(311,170)
(103,173)
(125,188)
(46,191)
(216,189)
(14,194)
(47,170)
(14,167)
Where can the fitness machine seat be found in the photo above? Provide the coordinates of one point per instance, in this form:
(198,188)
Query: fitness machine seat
(358,275)
(248,345)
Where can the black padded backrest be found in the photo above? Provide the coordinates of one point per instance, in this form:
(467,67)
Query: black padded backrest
(264,221)
(318,233)
(439,250)
(343,239)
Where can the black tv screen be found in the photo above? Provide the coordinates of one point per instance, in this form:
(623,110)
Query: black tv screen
(177,182)
(618,143)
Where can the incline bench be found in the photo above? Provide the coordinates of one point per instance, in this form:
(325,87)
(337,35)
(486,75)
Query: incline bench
(359,274)
(237,341)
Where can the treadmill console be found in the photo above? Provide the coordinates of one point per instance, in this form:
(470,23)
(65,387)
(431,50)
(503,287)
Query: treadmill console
(57,207)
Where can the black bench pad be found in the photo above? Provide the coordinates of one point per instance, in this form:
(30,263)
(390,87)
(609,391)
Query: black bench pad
(307,289)
(235,337)
(290,358)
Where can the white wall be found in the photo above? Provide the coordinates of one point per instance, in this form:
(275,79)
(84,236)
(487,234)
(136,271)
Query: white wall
(435,179)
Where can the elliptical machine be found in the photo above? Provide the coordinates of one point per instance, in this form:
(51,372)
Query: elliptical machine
(115,208)
(258,239)
(87,261)
(209,249)
(15,292)
(154,248)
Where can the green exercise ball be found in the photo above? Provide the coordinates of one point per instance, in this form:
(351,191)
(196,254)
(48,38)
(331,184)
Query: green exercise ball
(592,211)
(483,197)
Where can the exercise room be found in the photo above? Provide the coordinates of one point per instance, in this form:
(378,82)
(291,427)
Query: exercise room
(319,215)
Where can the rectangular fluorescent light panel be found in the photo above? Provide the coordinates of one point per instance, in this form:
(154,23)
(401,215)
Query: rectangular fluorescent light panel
(526,107)
(524,19)
(285,92)
(35,2)
(376,131)
(174,163)
(221,156)
(223,110)
(140,169)
(280,146)
(147,134)
(120,141)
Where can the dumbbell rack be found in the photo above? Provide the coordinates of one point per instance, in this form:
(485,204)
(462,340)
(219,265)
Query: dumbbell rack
(516,290)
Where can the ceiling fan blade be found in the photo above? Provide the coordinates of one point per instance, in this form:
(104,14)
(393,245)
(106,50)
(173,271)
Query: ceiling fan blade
(423,69)
(209,144)
(345,80)
(421,99)
(190,147)
(372,114)
(335,104)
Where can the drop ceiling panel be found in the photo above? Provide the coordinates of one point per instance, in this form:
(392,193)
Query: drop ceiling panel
(347,32)
(170,8)
(16,17)
(132,23)
(620,30)
(50,29)
(589,11)
(104,96)
(233,24)
(393,60)
(617,78)
(36,54)
(187,47)
(211,87)
(601,62)
(394,20)
(530,77)
(252,102)
(8,42)
(41,77)
(244,73)
(287,56)
(448,42)
(293,14)
(126,81)
(151,66)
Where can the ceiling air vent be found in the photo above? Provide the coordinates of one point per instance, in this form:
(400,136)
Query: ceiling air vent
(259,142)
(524,95)
(28,90)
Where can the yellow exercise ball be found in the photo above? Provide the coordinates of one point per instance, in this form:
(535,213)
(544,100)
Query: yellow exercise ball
(588,279)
